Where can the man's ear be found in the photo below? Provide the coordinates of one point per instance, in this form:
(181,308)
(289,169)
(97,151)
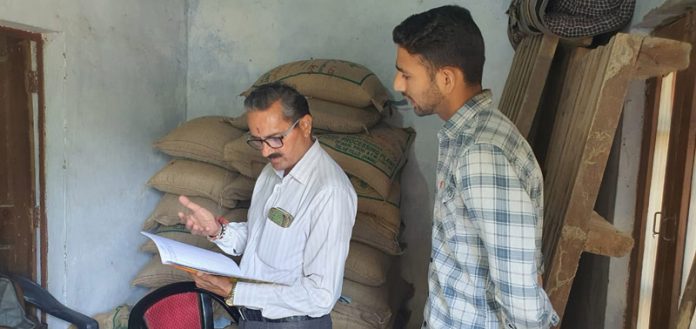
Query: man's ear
(447,79)
(306,125)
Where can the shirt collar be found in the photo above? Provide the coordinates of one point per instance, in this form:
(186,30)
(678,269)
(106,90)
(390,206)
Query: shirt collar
(463,116)
(304,167)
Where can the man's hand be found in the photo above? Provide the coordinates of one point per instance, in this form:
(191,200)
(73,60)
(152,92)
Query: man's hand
(216,284)
(199,220)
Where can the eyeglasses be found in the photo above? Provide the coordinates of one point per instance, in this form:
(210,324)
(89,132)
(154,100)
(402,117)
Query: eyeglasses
(273,142)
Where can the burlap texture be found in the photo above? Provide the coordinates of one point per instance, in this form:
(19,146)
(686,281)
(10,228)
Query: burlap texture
(334,80)
(195,178)
(361,306)
(167,210)
(375,157)
(201,139)
(366,265)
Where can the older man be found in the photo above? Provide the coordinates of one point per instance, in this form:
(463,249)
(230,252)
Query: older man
(299,222)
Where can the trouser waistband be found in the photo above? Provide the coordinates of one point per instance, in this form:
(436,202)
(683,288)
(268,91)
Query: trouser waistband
(246,314)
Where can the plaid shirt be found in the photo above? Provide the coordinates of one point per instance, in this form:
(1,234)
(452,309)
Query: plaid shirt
(487,226)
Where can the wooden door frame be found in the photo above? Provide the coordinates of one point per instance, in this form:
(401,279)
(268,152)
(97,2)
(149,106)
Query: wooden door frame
(680,164)
(652,101)
(39,122)
(677,192)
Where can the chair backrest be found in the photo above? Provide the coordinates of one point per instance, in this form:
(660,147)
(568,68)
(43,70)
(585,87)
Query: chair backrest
(176,305)
(39,297)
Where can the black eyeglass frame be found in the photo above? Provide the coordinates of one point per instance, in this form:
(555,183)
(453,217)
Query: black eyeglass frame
(257,142)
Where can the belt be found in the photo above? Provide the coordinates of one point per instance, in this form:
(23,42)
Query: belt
(247,314)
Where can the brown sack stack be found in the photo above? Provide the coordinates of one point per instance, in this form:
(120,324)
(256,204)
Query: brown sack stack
(216,168)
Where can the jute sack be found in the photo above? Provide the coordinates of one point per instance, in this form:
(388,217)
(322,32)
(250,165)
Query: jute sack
(370,202)
(345,321)
(341,118)
(365,306)
(334,80)
(331,117)
(240,156)
(155,274)
(241,188)
(195,178)
(114,319)
(167,210)
(375,157)
(366,265)
(238,213)
(369,230)
(201,139)
(239,122)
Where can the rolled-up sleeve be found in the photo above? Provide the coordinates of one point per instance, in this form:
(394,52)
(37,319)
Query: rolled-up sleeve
(234,240)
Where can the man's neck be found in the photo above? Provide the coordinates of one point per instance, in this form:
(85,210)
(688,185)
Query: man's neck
(456,100)
(306,148)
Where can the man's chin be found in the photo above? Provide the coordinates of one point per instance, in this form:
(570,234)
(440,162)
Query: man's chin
(277,164)
(422,113)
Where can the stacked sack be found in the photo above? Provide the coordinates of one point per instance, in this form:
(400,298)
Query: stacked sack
(215,167)
(198,170)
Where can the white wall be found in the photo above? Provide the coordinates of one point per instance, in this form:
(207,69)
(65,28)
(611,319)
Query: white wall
(231,43)
(115,81)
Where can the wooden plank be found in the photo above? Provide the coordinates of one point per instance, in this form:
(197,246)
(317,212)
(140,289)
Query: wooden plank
(581,141)
(605,239)
(659,55)
(526,80)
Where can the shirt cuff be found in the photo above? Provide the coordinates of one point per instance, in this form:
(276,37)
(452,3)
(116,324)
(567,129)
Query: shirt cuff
(228,241)
(252,295)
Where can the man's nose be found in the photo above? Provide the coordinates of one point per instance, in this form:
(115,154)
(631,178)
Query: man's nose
(398,83)
(266,150)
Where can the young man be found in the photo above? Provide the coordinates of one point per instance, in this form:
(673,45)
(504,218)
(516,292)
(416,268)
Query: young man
(299,222)
(487,221)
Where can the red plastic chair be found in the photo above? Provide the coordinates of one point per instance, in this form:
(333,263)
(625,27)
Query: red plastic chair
(177,305)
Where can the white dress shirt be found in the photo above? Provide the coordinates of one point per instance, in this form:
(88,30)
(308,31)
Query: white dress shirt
(309,255)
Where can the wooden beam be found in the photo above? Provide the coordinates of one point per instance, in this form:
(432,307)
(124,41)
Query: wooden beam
(526,80)
(659,56)
(604,239)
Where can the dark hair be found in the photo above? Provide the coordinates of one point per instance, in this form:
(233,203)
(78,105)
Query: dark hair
(293,103)
(444,36)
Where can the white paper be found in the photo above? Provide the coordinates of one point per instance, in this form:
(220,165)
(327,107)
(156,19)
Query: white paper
(175,252)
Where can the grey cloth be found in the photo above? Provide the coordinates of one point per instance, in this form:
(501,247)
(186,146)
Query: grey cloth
(323,322)
(11,307)
(567,18)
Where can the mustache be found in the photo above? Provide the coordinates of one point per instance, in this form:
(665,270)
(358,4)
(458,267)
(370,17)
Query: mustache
(274,155)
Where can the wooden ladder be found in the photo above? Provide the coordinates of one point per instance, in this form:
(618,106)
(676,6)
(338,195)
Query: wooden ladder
(590,102)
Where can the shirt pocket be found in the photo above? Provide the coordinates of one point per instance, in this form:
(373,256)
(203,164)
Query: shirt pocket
(448,196)
(280,247)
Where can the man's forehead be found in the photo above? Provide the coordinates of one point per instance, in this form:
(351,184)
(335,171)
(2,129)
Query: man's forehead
(266,123)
